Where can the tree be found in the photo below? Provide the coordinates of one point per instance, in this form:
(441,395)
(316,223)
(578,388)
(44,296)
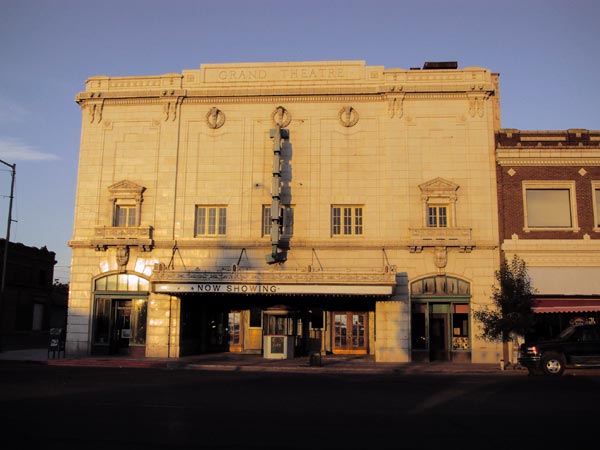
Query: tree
(60,287)
(512,297)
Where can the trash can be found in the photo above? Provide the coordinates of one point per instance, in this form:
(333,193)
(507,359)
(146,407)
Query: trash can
(314,359)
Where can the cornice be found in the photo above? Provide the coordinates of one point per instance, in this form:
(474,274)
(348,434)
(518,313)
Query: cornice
(226,97)
(551,156)
(295,244)
(549,161)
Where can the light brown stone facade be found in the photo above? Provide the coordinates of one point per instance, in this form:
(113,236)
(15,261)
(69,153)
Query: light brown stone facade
(387,179)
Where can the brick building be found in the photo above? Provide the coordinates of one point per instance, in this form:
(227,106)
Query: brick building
(549,215)
(30,303)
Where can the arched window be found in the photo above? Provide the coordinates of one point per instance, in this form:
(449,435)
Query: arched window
(440,285)
(122,282)
(120,314)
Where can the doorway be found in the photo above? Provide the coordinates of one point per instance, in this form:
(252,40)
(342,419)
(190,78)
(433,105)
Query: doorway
(119,326)
(119,343)
(438,332)
(350,332)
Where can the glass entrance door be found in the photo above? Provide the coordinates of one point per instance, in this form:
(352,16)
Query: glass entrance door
(235,331)
(350,332)
(438,332)
(122,327)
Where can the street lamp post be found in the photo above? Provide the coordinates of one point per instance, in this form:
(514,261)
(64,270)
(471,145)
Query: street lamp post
(6,242)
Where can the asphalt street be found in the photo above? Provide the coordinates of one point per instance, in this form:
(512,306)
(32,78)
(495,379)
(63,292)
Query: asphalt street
(116,408)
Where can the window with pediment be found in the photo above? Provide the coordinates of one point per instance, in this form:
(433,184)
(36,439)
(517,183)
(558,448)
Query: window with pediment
(438,198)
(126,199)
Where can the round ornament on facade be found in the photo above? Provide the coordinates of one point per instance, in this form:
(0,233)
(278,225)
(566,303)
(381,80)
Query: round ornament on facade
(215,118)
(348,116)
(281,117)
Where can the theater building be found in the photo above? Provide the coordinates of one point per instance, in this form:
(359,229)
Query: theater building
(549,205)
(285,209)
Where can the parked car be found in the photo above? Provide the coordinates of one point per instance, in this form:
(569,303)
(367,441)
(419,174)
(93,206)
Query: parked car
(576,346)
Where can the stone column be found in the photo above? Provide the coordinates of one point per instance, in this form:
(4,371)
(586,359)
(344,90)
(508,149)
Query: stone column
(162,337)
(393,325)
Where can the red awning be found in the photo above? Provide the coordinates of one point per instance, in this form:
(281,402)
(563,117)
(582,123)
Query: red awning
(565,305)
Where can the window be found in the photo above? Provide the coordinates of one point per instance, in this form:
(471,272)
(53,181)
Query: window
(125,216)
(211,220)
(287,217)
(549,205)
(596,205)
(440,285)
(235,318)
(437,216)
(346,220)
(439,199)
(122,282)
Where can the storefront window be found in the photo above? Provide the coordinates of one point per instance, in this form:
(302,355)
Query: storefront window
(101,321)
(140,313)
(460,326)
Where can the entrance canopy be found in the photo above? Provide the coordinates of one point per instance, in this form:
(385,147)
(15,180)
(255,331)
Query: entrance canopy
(566,305)
(248,282)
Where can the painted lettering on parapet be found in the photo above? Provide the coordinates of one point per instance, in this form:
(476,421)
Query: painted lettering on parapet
(308,73)
(242,75)
(237,288)
(314,74)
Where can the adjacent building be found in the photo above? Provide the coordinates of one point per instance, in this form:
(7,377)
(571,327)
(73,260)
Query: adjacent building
(30,303)
(286,209)
(549,206)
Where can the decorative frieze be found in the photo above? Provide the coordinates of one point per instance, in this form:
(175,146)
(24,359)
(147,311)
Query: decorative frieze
(441,237)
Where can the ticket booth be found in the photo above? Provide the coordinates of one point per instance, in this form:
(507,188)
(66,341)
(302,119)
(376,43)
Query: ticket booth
(279,333)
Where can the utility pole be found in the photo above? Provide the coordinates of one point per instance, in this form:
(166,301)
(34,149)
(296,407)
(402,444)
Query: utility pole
(6,242)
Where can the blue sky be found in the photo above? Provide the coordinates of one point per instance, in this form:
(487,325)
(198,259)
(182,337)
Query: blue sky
(546,51)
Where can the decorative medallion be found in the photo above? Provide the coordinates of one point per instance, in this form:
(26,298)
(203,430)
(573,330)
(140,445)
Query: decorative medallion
(281,117)
(348,116)
(215,118)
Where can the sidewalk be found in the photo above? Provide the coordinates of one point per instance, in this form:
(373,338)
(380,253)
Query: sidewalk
(252,362)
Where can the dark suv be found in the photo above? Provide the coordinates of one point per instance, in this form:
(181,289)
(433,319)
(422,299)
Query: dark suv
(576,346)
